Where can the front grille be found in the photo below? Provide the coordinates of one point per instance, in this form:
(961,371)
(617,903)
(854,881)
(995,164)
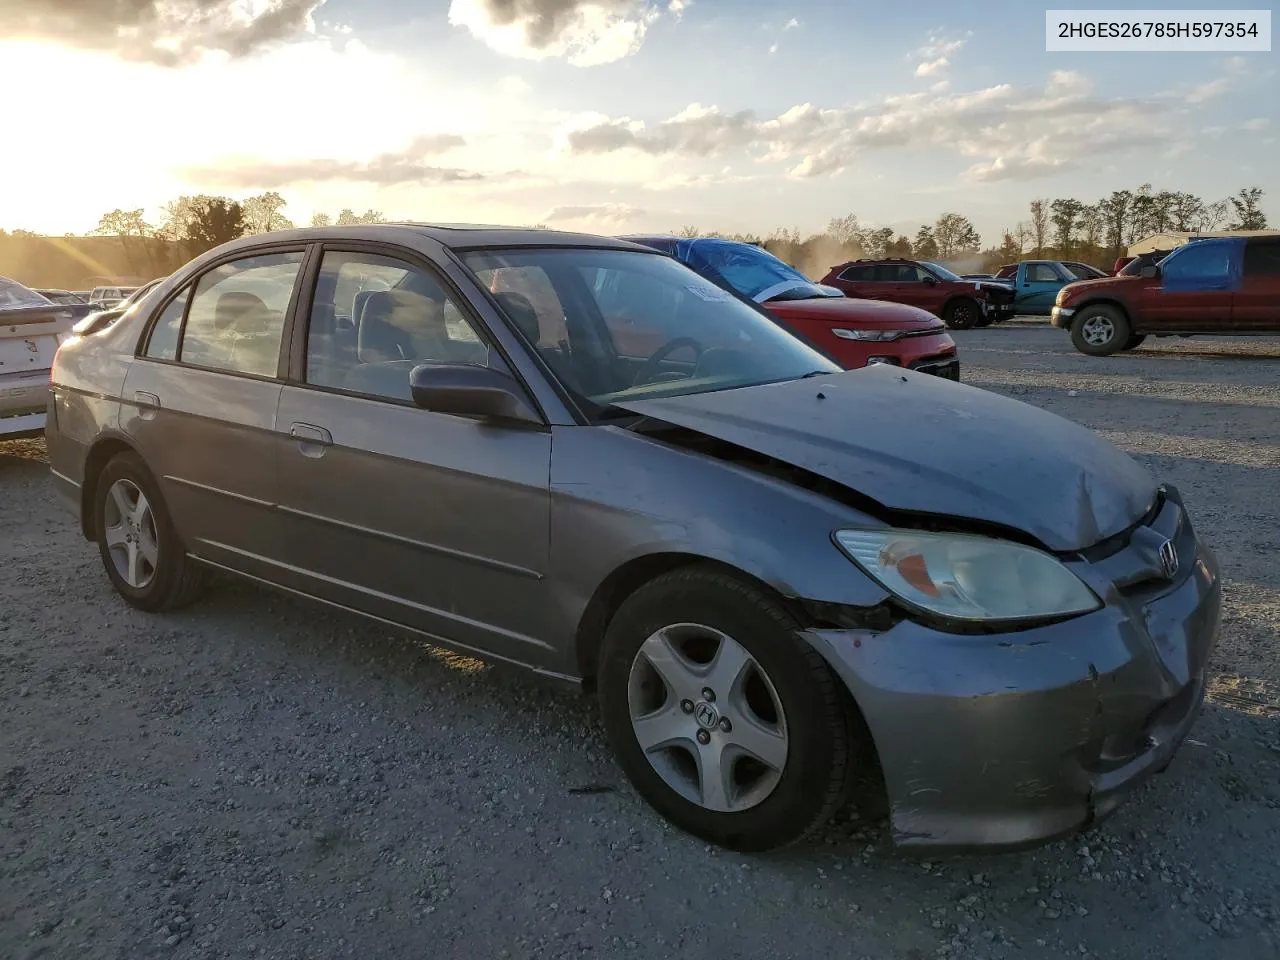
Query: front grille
(947,369)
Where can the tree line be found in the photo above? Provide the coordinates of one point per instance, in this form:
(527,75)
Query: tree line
(1063,227)
(1060,228)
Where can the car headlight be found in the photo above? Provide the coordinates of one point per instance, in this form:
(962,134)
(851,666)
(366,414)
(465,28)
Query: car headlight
(967,577)
(1061,298)
(844,333)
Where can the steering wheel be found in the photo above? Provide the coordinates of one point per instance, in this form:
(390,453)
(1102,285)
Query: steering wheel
(650,367)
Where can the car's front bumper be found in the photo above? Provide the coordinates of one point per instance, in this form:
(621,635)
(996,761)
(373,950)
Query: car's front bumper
(1061,316)
(1008,740)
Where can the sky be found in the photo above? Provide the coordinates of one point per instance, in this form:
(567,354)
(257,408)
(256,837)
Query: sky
(608,115)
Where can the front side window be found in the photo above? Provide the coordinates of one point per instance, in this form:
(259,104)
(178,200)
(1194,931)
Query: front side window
(940,271)
(375,318)
(1042,273)
(237,314)
(697,337)
(1198,264)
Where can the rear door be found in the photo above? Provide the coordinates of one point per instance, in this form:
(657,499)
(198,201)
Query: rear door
(863,280)
(1257,302)
(200,404)
(1195,289)
(434,521)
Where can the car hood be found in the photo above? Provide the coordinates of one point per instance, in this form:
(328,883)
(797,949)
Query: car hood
(922,444)
(855,312)
(1078,287)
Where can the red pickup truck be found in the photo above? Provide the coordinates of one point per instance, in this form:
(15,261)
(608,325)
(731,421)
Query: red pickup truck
(1218,285)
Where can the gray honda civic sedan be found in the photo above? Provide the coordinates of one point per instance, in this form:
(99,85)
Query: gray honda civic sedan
(574,454)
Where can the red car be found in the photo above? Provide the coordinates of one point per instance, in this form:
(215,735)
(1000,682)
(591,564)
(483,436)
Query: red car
(1220,285)
(853,332)
(960,303)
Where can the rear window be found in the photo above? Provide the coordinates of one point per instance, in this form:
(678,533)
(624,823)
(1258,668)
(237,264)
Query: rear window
(1262,259)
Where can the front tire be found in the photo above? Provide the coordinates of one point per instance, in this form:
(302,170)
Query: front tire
(140,548)
(726,723)
(1134,341)
(1100,330)
(962,314)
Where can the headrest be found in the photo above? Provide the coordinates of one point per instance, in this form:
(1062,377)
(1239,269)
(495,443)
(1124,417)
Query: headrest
(522,313)
(240,310)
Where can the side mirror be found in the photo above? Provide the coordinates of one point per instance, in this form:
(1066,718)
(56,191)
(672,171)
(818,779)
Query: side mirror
(467,390)
(1150,272)
(931,281)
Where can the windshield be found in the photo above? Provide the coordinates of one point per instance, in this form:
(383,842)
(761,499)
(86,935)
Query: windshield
(751,271)
(940,270)
(623,325)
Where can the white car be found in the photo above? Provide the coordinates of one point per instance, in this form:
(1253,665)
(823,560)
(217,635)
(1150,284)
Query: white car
(32,327)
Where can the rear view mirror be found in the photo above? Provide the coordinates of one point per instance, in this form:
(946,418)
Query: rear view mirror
(1150,272)
(470,391)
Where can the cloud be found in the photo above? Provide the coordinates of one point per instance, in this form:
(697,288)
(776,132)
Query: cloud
(385,170)
(1256,125)
(1006,132)
(791,24)
(584,32)
(1207,91)
(935,55)
(610,214)
(167,32)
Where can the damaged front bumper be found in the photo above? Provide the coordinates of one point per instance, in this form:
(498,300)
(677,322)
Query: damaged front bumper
(1009,740)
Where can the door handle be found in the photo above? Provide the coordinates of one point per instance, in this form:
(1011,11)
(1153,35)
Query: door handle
(309,433)
(148,404)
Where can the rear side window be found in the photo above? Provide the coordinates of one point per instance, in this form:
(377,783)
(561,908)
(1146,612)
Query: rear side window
(1262,259)
(858,274)
(163,344)
(237,314)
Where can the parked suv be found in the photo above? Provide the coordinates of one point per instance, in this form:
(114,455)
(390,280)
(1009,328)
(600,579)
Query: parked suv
(960,303)
(1218,285)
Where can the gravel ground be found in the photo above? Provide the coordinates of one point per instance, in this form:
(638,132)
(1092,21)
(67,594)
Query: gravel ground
(258,777)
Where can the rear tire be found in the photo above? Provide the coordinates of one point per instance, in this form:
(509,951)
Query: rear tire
(962,313)
(1100,330)
(140,548)
(666,647)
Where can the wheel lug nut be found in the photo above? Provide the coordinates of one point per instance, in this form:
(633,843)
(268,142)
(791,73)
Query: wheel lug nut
(725,725)
(703,737)
(686,706)
(708,695)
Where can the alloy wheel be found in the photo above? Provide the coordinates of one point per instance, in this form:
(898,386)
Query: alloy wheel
(707,717)
(1098,331)
(129,528)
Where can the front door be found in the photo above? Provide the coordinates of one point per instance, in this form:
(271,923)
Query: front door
(437,522)
(200,405)
(1038,287)
(1194,291)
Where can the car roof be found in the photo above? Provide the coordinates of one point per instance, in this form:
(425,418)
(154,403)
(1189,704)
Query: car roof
(461,236)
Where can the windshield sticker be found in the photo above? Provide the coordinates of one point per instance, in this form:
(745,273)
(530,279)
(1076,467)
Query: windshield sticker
(709,293)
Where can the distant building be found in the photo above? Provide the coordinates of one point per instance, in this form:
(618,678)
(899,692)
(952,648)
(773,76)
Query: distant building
(1176,238)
